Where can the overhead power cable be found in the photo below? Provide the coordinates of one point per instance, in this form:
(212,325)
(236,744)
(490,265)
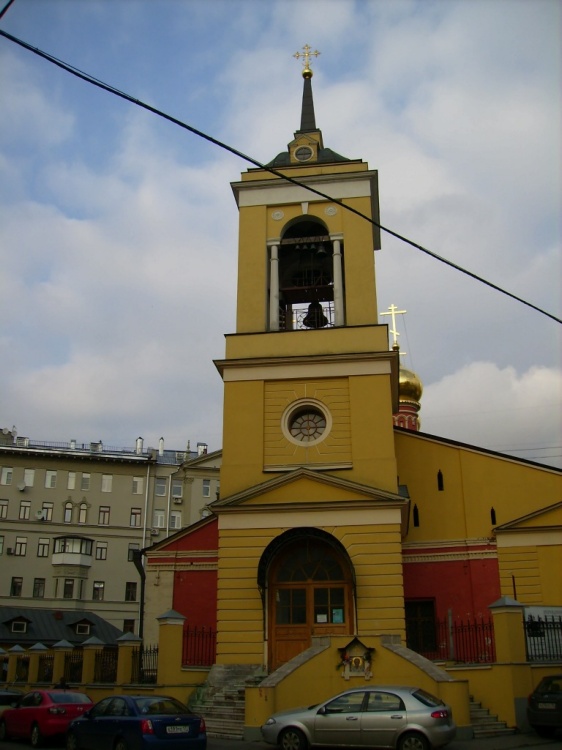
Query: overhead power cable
(112,90)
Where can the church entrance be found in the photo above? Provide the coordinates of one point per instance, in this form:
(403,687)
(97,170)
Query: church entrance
(310,592)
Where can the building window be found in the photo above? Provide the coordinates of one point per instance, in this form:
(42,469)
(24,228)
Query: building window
(135,519)
(21,546)
(159,519)
(416,515)
(83,513)
(493,516)
(68,591)
(29,477)
(1,545)
(131,591)
(3,509)
(71,484)
(75,544)
(132,548)
(177,488)
(440,483)
(106,482)
(38,588)
(25,507)
(47,511)
(6,475)
(85,482)
(160,486)
(175,519)
(97,593)
(50,479)
(103,516)
(16,586)
(43,547)
(101,551)
(206,488)
(138,484)
(128,626)
(68,512)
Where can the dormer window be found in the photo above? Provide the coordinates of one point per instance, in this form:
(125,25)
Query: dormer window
(82,628)
(19,626)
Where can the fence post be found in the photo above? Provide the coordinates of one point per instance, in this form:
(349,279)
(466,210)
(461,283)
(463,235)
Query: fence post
(13,654)
(61,649)
(509,631)
(34,653)
(127,643)
(170,645)
(90,649)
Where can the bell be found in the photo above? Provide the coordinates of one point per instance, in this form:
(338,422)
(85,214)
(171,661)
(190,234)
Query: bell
(315,317)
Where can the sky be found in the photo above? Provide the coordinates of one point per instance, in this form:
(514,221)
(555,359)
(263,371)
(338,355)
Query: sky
(118,229)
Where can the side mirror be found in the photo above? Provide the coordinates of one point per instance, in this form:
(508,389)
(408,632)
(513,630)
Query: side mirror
(322,711)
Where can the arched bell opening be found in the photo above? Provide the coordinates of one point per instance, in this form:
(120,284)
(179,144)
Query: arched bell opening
(306,579)
(306,285)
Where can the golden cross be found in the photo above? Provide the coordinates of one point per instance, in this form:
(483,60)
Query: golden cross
(307,54)
(394,311)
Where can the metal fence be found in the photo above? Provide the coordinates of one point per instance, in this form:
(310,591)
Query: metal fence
(105,665)
(467,642)
(73,666)
(544,638)
(145,665)
(46,664)
(199,647)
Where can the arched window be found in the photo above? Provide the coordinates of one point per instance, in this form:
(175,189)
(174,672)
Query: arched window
(68,512)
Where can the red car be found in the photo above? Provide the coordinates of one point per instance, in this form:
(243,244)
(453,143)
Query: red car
(41,714)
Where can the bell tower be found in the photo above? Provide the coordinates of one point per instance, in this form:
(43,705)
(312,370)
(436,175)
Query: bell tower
(309,380)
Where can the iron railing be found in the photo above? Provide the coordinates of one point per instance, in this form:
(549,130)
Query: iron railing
(199,647)
(145,665)
(105,665)
(467,642)
(46,664)
(73,666)
(543,638)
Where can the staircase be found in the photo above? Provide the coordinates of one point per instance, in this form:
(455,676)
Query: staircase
(485,725)
(221,701)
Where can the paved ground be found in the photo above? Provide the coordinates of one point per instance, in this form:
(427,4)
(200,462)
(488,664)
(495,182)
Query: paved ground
(511,742)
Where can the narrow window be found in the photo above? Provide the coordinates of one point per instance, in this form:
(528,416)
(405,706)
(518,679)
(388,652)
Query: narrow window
(130,591)
(85,482)
(175,519)
(68,590)
(25,507)
(3,509)
(177,489)
(47,511)
(493,516)
(137,485)
(206,488)
(160,486)
(6,475)
(21,546)
(38,588)
(16,586)
(97,593)
(29,477)
(128,626)
(101,551)
(83,513)
(103,516)
(159,519)
(106,482)
(416,516)
(1,545)
(135,518)
(440,484)
(43,547)
(131,551)
(71,483)
(68,512)
(50,479)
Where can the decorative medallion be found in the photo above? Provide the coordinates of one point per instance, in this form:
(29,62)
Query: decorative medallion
(277,215)
(331,211)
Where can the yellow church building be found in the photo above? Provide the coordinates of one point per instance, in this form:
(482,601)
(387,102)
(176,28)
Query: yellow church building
(343,534)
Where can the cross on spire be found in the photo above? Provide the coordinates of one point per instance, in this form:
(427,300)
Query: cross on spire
(394,311)
(306,55)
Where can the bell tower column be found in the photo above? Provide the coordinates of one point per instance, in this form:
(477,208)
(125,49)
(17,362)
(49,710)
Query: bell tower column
(273,287)
(339,312)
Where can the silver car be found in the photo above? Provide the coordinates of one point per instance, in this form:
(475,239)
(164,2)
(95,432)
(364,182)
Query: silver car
(402,718)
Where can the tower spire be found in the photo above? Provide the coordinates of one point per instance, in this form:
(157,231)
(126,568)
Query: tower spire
(308,120)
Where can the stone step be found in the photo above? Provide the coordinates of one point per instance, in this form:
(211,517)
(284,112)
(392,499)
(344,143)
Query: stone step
(498,731)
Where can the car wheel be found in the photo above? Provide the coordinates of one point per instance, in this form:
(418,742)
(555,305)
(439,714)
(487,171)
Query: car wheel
(292,739)
(3,731)
(36,736)
(412,741)
(120,745)
(72,741)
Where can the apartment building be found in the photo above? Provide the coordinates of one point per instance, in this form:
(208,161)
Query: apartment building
(73,514)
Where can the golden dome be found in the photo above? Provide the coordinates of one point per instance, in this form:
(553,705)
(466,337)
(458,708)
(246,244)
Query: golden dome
(410,387)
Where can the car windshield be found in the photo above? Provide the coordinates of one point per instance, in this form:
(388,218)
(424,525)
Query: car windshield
(69,698)
(551,685)
(160,706)
(427,699)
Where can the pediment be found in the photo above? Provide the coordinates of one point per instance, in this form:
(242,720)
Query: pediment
(544,519)
(306,487)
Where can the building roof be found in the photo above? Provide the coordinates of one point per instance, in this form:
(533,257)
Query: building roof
(51,626)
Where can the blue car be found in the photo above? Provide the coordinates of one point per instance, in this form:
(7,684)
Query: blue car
(137,722)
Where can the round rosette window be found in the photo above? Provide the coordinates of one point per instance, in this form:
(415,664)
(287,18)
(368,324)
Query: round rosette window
(306,422)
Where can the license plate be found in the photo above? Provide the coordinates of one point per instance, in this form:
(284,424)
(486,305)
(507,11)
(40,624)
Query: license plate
(177,729)
(547,705)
